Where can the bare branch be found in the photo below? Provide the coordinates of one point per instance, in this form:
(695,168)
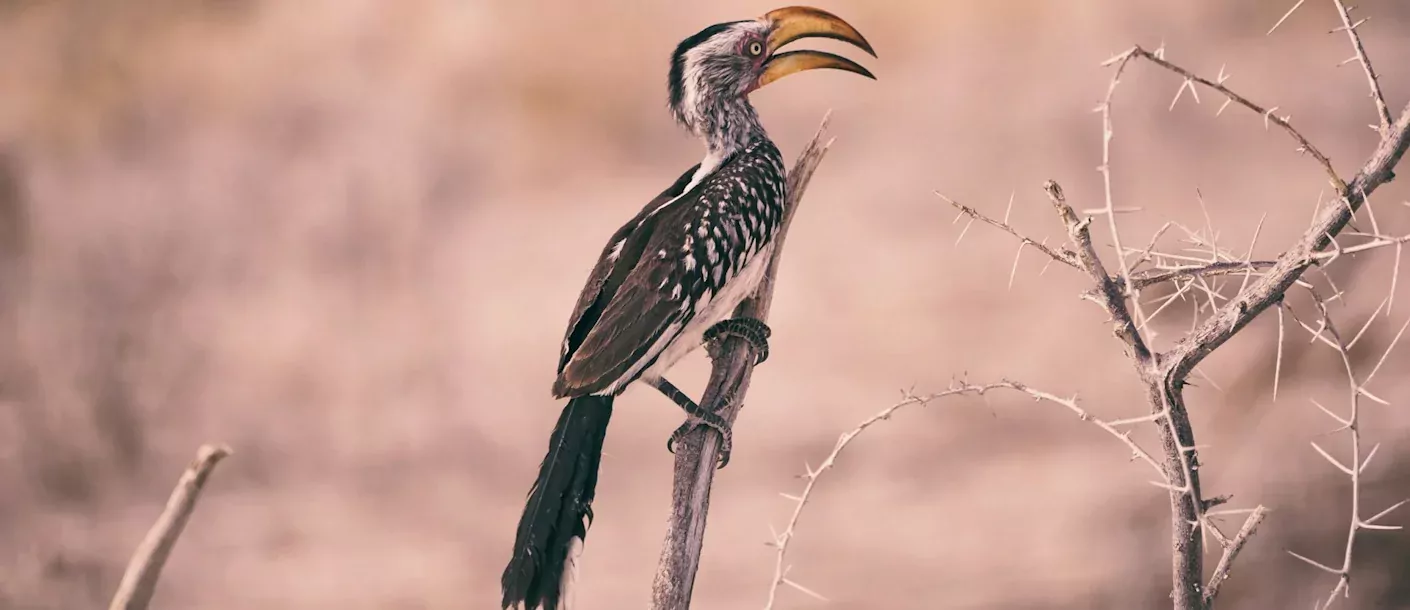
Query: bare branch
(139,582)
(1231,552)
(1350,423)
(1060,255)
(1112,298)
(1268,289)
(1108,132)
(697,452)
(1382,112)
(1177,436)
(1303,143)
(1150,278)
(811,475)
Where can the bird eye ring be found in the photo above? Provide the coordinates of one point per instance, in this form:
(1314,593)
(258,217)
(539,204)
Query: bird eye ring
(755,49)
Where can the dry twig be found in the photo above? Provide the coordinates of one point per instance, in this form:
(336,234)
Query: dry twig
(1166,374)
(1351,423)
(139,582)
(811,475)
(1231,552)
(1382,111)
(696,454)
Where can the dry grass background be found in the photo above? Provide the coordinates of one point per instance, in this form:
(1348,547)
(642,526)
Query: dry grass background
(343,237)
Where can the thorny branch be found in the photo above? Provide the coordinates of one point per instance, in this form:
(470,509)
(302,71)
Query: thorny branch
(1231,551)
(811,475)
(139,582)
(1304,145)
(1382,111)
(1173,422)
(1166,373)
(696,454)
(1351,423)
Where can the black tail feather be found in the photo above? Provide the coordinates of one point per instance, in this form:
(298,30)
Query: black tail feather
(559,506)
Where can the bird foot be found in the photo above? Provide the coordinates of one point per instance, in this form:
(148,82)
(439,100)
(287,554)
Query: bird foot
(709,419)
(755,331)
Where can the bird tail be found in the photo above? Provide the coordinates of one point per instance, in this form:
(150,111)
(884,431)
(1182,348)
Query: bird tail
(556,517)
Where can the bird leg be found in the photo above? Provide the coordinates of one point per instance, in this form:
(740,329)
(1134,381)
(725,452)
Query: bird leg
(697,415)
(755,331)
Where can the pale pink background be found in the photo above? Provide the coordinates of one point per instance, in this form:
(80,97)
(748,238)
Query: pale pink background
(344,237)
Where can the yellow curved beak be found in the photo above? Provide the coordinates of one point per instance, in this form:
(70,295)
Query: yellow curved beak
(792,23)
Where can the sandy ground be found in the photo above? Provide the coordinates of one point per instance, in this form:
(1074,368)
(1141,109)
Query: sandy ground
(343,237)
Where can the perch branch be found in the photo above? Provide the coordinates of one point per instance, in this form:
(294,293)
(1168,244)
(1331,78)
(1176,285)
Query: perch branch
(696,454)
(139,582)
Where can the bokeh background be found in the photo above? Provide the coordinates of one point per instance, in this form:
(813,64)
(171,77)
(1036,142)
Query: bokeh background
(343,236)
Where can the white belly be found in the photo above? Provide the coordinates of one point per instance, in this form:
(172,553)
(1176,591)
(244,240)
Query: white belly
(720,307)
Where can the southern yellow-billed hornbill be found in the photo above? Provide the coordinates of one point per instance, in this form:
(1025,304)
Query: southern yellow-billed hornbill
(668,279)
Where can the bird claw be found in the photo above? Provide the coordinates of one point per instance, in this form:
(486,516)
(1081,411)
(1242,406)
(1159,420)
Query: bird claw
(753,330)
(718,423)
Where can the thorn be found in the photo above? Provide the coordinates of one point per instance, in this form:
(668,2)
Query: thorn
(1386,511)
(1331,414)
(806,590)
(1331,459)
(1367,461)
(964,230)
(1285,17)
(1316,564)
(1014,271)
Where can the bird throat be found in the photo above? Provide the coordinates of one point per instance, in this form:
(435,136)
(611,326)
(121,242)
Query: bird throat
(726,126)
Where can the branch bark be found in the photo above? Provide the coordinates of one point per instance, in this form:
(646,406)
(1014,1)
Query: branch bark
(1180,464)
(697,452)
(139,582)
(1165,373)
(1269,289)
(1170,371)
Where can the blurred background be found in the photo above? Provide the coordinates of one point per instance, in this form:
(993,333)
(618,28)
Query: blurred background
(344,236)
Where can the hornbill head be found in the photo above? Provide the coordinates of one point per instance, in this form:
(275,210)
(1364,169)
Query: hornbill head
(724,63)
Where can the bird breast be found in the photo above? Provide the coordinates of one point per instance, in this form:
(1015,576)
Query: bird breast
(713,307)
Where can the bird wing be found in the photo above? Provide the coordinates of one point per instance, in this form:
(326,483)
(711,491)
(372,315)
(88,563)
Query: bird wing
(612,279)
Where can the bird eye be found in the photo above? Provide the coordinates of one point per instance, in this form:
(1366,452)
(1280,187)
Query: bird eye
(755,49)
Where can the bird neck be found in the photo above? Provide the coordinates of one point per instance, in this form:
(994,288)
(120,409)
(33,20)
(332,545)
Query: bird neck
(726,126)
